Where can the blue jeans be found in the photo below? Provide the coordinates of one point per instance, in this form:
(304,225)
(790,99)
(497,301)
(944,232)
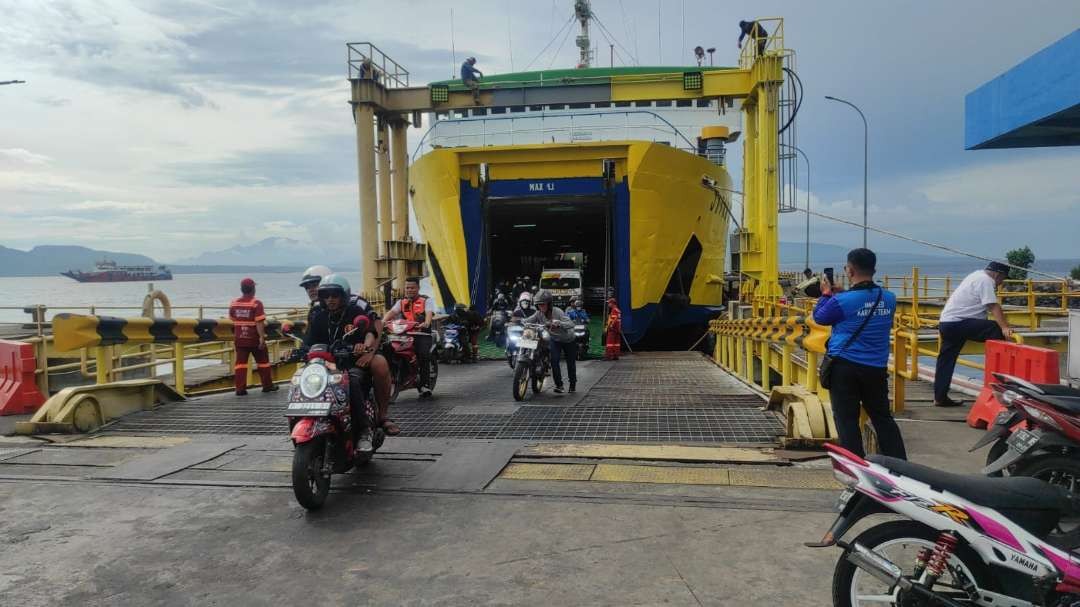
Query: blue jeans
(558,349)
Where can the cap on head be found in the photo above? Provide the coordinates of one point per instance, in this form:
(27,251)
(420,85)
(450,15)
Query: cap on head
(997,266)
(247,286)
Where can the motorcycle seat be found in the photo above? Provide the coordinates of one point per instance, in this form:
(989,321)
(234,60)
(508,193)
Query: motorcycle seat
(1034,505)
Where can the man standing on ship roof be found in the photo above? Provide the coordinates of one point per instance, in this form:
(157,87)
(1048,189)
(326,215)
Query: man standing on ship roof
(964,318)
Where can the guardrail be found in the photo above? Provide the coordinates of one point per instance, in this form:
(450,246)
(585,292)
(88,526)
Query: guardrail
(364,61)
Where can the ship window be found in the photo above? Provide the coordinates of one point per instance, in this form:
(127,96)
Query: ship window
(498,110)
(664,103)
(536,108)
(603,104)
(622,104)
(704,102)
(684,103)
(683,276)
(517,108)
(643,104)
(579,106)
(556,106)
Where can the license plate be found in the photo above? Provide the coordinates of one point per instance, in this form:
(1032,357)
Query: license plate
(308,409)
(845,497)
(1023,440)
(399,339)
(528,343)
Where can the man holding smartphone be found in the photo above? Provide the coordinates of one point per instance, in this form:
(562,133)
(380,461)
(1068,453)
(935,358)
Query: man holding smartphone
(861,319)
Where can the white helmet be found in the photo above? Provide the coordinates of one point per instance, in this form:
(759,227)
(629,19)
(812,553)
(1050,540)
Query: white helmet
(313,275)
(525,300)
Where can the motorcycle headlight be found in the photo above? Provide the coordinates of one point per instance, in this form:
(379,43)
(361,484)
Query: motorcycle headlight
(313,381)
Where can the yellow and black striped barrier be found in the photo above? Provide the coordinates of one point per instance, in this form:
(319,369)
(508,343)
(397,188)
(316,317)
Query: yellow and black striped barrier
(74,331)
(799,331)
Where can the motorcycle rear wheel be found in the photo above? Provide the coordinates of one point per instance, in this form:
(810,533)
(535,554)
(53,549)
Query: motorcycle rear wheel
(309,484)
(1061,471)
(521,380)
(909,537)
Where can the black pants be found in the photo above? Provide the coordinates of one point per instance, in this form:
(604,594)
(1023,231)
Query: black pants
(559,350)
(856,386)
(422,345)
(359,385)
(953,336)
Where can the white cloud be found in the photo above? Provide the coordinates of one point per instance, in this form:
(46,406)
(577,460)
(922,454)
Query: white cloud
(1048,184)
(23,156)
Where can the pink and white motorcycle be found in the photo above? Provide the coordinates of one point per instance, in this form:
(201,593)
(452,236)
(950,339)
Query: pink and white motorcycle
(963,540)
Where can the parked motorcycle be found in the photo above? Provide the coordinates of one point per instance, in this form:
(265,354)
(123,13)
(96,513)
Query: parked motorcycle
(400,352)
(454,344)
(581,337)
(497,328)
(533,362)
(321,423)
(964,540)
(513,336)
(1037,435)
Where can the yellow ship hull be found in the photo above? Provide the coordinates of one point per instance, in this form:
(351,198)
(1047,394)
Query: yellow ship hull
(653,233)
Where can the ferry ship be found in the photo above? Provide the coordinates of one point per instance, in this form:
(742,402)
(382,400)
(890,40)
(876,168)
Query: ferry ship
(108,271)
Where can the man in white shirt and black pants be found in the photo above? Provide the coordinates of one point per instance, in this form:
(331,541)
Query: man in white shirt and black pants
(964,318)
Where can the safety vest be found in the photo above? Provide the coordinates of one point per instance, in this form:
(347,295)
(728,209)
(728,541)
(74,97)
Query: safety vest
(413,309)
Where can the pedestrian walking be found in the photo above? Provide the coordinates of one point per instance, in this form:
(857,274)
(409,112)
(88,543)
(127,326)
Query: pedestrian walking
(249,338)
(964,318)
(855,371)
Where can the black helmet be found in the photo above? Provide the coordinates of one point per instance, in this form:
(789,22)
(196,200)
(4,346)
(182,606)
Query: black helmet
(459,308)
(334,283)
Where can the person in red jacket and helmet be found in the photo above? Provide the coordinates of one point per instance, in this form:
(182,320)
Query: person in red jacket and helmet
(249,338)
(613,331)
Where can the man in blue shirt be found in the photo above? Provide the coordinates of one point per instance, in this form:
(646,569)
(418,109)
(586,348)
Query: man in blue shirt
(470,77)
(860,365)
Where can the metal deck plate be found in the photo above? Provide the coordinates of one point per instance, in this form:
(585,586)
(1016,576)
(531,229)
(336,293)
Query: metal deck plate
(663,397)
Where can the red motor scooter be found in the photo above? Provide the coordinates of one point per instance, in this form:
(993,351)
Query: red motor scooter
(321,422)
(400,352)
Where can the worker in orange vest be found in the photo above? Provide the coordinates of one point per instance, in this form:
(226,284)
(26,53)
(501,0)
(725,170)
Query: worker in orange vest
(249,333)
(613,331)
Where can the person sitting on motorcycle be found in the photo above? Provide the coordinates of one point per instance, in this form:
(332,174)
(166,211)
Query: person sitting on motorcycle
(500,302)
(416,308)
(562,343)
(471,323)
(524,307)
(337,311)
(309,280)
(577,312)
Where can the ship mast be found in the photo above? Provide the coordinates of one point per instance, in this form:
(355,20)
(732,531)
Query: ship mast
(583,13)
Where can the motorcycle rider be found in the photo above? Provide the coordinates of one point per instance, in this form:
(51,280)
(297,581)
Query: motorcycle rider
(471,322)
(309,280)
(500,302)
(329,321)
(524,307)
(562,343)
(416,308)
(577,312)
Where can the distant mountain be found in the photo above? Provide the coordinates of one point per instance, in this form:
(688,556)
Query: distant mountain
(45,260)
(275,251)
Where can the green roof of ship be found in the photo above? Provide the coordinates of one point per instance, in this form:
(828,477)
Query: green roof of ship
(572,76)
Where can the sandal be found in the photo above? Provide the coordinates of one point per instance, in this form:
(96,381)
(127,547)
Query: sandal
(390,427)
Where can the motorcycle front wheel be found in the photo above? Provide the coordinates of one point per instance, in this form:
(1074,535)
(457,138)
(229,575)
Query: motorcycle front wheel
(521,380)
(900,542)
(310,485)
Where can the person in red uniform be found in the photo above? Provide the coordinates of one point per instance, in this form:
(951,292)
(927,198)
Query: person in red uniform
(249,333)
(613,331)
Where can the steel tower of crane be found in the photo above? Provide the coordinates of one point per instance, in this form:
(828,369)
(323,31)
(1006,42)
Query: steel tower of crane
(583,13)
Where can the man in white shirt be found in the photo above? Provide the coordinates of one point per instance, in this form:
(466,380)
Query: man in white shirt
(964,318)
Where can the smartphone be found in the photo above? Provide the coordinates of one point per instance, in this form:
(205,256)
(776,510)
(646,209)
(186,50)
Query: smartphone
(829,275)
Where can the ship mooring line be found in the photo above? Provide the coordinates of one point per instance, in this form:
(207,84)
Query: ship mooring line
(553,39)
(927,243)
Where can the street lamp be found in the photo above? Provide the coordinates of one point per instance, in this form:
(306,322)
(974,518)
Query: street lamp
(866,162)
(804,157)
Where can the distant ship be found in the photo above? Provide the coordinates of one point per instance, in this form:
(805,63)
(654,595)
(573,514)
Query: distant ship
(109,271)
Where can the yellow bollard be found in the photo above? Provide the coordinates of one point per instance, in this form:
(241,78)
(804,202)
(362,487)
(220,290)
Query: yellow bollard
(178,368)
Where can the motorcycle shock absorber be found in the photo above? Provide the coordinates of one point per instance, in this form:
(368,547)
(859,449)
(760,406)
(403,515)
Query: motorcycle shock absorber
(939,558)
(921,560)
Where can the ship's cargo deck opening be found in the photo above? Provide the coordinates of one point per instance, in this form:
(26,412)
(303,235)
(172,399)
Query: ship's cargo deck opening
(527,236)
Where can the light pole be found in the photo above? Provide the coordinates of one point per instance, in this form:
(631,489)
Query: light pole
(866,162)
(807,159)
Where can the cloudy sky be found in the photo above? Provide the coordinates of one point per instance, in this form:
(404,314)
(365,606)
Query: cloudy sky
(175,127)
